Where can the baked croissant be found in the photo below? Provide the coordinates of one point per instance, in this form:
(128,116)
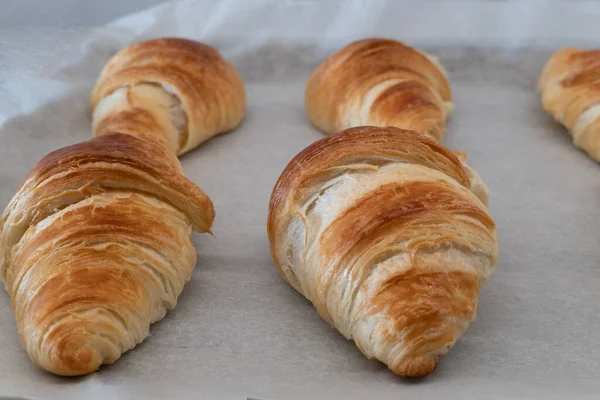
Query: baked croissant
(379,228)
(381,83)
(570,89)
(182,89)
(95,245)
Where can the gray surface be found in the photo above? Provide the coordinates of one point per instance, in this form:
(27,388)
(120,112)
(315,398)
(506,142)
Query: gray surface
(238,329)
(67,12)
(92,13)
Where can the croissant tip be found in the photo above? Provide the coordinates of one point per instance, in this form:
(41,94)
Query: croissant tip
(418,368)
(75,359)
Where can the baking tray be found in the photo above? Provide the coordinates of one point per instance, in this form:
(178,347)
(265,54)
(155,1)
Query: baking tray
(239,330)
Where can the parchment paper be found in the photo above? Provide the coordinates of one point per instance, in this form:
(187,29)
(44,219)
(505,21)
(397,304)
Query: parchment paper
(239,330)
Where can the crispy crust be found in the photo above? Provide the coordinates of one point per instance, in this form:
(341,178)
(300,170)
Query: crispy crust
(209,89)
(95,245)
(379,82)
(570,91)
(380,230)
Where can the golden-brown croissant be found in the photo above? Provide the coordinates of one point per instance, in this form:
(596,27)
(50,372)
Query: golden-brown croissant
(381,83)
(181,88)
(570,89)
(381,230)
(95,245)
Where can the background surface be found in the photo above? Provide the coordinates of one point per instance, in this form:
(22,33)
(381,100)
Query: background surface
(92,12)
(239,330)
(67,12)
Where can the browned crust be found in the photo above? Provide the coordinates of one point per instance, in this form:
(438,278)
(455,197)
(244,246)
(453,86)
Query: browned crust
(579,85)
(420,110)
(346,76)
(96,243)
(371,143)
(88,260)
(149,169)
(396,204)
(135,122)
(124,219)
(388,211)
(210,89)
(570,85)
(419,303)
(404,311)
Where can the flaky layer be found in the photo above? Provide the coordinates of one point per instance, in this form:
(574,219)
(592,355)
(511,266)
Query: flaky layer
(114,162)
(87,282)
(570,90)
(180,90)
(381,83)
(96,246)
(379,228)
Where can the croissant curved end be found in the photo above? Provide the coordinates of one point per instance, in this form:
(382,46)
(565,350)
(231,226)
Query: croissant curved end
(78,352)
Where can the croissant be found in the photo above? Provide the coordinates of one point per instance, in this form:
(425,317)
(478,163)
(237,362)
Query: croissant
(380,230)
(570,90)
(181,89)
(95,245)
(379,82)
